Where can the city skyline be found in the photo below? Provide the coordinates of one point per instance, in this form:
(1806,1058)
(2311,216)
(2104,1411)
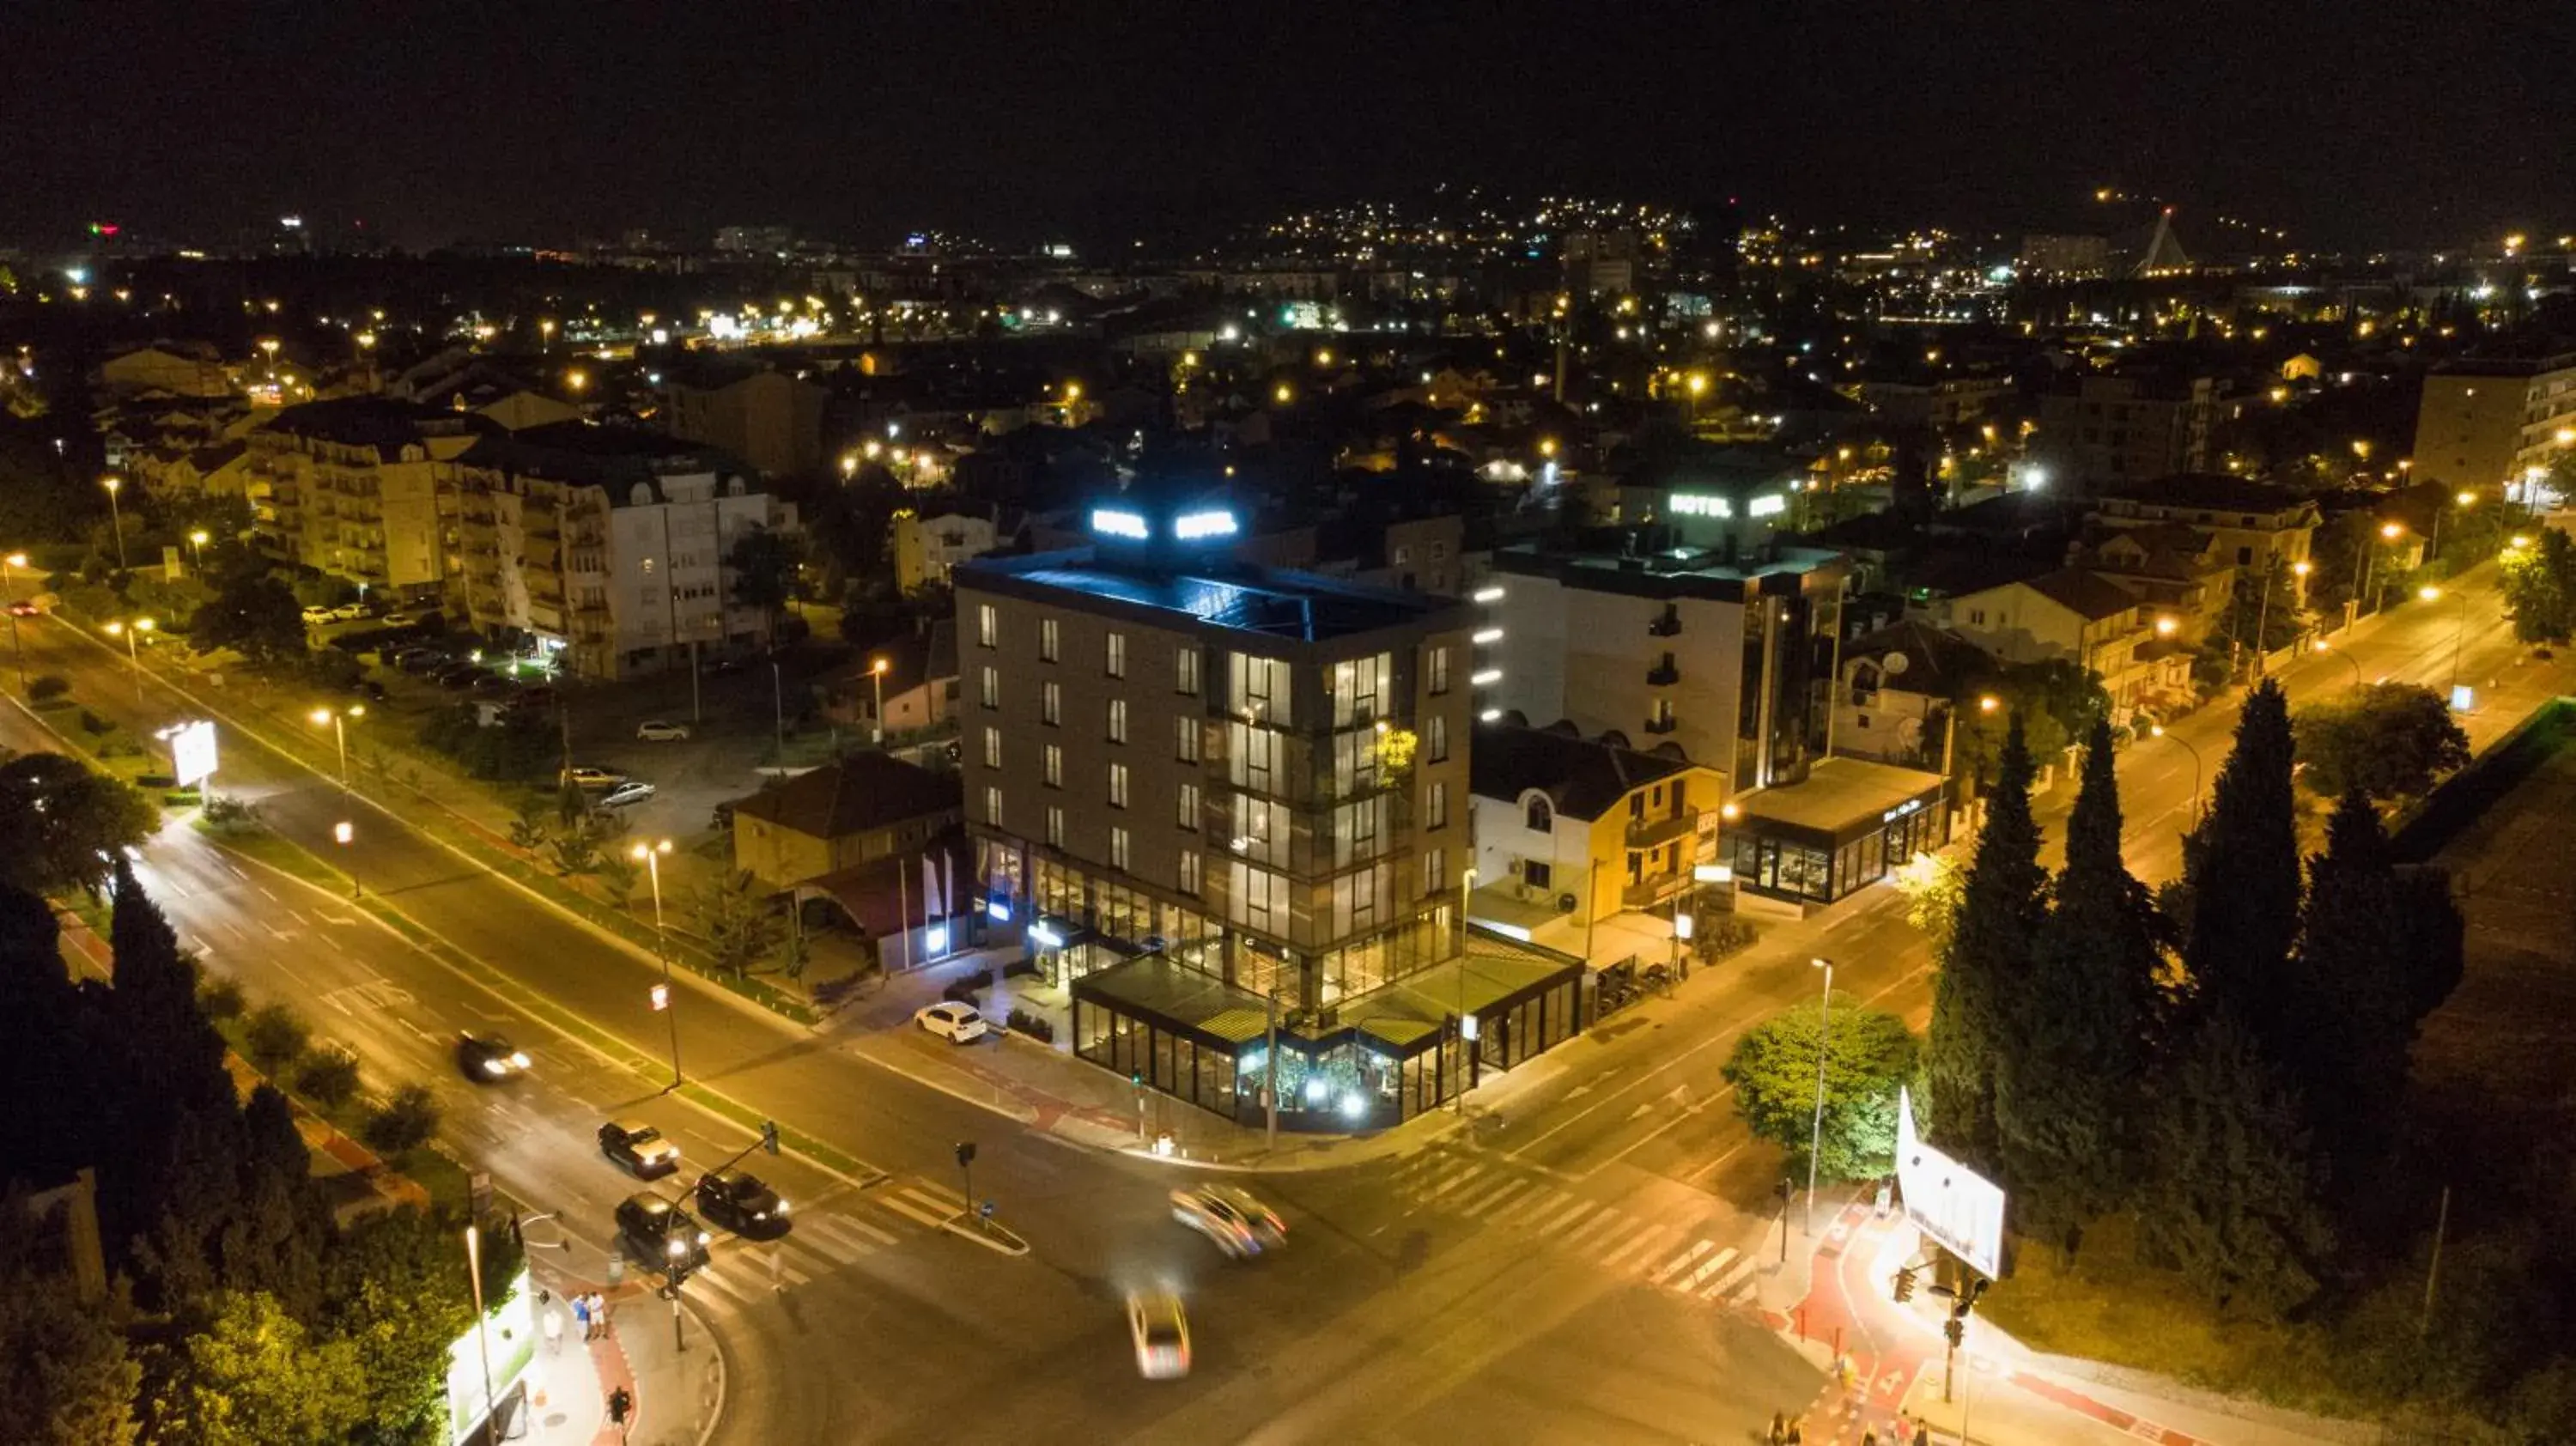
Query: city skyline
(483,124)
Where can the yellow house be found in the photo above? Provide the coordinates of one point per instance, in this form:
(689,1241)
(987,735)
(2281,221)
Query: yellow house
(1583,829)
(866,807)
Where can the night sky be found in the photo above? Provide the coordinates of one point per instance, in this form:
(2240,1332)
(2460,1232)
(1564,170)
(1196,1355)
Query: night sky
(2354,122)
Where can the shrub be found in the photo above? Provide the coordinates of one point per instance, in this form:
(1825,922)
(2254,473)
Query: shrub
(329,1078)
(93,724)
(274,1038)
(1035,1026)
(403,1123)
(220,997)
(228,813)
(961,992)
(1721,935)
(1018,967)
(47,688)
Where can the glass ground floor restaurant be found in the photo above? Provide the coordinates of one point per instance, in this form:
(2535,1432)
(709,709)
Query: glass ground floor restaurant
(1383,1058)
(1850,823)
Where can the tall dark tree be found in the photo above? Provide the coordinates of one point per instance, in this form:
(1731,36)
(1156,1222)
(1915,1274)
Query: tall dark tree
(255,616)
(58,820)
(1988,964)
(44,1053)
(2367,972)
(763,565)
(2069,1096)
(2243,869)
(2233,1179)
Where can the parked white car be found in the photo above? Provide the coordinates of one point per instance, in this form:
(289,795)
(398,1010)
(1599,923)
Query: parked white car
(626,795)
(951,1021)
(349,612)
(658,731)
(316,617)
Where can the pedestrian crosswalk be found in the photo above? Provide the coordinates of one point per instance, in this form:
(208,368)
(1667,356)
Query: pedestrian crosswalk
(747,1272)
(1659,1252)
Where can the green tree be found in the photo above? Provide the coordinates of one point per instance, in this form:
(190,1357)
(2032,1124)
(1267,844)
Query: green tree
(764,563)
(2369,967)
(2280,622)
(1934,886)
(1988,964)
(2053,703)
(2390,740)
(2539,585)
(1868,1056)
(59,823)
(274,1037)
(2068,1099)
(2233,1185)
(329,1078)
(395,1296)
(738,924)
(247,1373)
(2243,872)
(64,1369)
(530,825)
(402,1123)
(255,616)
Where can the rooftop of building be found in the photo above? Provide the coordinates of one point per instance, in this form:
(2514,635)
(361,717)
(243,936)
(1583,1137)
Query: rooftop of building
(1212,593)
(588,454)
(1582,777)
(2214,491)
(1647,561)
(1936,662)
(859,793)
(1838,792)
(2529,358)
(379,422)
(2082,593)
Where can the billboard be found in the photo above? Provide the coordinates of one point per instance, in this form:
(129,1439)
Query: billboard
(192,752)
(1946,1200)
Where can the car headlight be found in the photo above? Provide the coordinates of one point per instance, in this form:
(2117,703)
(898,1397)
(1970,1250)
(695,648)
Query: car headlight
(518,1060)
(676,1248)
(704,1237)
(782,1207)
(496,1066)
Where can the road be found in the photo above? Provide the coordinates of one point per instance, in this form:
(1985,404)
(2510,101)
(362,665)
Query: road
(1581,1268)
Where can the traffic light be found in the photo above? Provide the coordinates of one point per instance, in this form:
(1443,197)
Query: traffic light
(1954,1330)
(965,1153)
(1905,1283)
(769,1136)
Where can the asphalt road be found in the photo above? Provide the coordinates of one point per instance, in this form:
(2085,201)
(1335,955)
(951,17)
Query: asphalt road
(1564,1271)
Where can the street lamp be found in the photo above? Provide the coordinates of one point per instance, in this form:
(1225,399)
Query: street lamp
(2158,730)
(9,566)
(482,1331)
(876,676)
(1824,1038)
(650,856)
(2320,645)
(131,631)
(2459,636)
(197,541)
(339,718)
(345,834)
(115,518)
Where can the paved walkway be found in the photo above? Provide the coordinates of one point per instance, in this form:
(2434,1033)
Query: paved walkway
(677,1394)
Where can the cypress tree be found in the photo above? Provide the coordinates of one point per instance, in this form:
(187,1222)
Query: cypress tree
(2069,1092)
(2369,967)
(176,1124)
(2244,877)
(2234,1181)
(1987,964)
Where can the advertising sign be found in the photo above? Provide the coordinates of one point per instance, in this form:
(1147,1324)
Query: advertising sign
(192,752)
(1946,1200)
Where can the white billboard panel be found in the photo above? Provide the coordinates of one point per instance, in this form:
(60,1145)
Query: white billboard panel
(1949,1202)
(192,753)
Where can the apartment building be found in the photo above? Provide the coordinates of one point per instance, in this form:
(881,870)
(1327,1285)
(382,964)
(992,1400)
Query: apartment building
(359,487)
(927,548)
(2074,616)
(2118,429)
(608,544)
(2250,523)
(767,418)
(1580,829)
(2496,421)
(1213,795)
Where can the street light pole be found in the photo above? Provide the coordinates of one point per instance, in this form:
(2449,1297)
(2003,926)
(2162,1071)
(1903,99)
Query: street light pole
(778,708)
(115,517)
(133,657)
(651,857)
(1824,1041)
(1466,1027)
(9,566)
(482,1328)
(2354,663)
(338,719)
(2158,730)
(197,549)
(876,720)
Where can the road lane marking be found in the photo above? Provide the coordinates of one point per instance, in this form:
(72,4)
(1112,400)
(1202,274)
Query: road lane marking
(1709,1267)
(1733,1280)
(915,1213)
(1654,1237)
(1471,1205)
(1565,1217)
(1675,1265)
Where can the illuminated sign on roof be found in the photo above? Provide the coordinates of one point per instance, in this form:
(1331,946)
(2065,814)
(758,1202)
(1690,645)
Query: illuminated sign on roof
(1692,504)
(1110,522)
(1767,504)
(1193,526)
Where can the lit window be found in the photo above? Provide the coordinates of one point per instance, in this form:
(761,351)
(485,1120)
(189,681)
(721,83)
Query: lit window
(988,627)
(1185,739)
(1051,706)
(1118,848)
(1188,810)
(1047,639)
(1054,766)
(1117,661)
(992,687)
(1118,785)
(992,748)
(1189,871)
(1438,670)
(1185,672)
(1436,809)
(1117,720)
(1054,827)
(993,806)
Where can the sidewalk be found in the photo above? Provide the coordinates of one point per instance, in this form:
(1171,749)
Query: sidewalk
(678,1396)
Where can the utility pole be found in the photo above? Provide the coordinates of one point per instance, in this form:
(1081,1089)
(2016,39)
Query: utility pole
(2433,1272)
(1824,1042)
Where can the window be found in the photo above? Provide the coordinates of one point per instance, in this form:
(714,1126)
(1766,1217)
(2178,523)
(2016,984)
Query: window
(1261,688)
(1117,660)
(988,627)
(1117,720)
(1051,711)
(1435,872)
(992,686)
(1189,871)
(1403,556)
(993,806)
(1436,811)
(1440,552)
(1054,756)
(1118,848)
(1256,898)
(1185,739)
(1185,672)
(1439,670)
(1435,739)
(1186,812)
(1118,785)
(992,748)
(1537,873)
(1357,689)
(1537,814)
(2244,557)
(1054,827)
(1047,639)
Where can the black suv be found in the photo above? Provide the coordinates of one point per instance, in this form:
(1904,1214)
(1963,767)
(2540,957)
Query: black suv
(743,1204)
(660,1235)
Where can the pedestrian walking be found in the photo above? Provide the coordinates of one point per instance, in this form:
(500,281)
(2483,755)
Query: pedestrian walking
(1779,1428)
(599,1317)
(1795,1435)
(554,1331)
(621,1410)
(581,1316)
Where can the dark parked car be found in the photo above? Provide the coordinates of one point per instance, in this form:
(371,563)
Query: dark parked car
(660,1234)
(461,676)
(420,659)
(638,1147)
(743,1204)
(489,1058)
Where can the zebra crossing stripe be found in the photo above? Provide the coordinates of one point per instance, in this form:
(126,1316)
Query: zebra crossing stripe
(1675,1265)
(916,1213)
(1477,1204)
(1709,1267)
(1730,1280)
(1527,1208)
(1595,1230)
(1639,1246)
(1560,1219)
(1469,1171)
(725,1290)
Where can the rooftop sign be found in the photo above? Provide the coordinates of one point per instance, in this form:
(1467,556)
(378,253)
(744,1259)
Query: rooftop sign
(1692,504)
(1109,522)
(1192,526)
